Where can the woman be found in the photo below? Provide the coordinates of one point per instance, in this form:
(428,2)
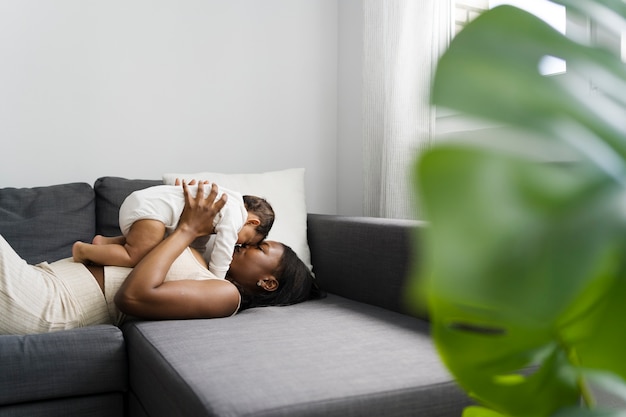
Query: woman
(166,284)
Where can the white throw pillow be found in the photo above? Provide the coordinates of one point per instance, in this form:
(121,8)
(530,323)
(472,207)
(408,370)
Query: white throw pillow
(284,190)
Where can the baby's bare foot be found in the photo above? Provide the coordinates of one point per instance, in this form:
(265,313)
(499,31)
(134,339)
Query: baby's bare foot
(78,252)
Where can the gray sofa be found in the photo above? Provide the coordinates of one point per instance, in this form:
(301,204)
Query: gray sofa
(358,352)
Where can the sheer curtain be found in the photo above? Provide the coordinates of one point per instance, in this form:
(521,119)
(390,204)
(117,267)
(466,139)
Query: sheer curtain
(402,40)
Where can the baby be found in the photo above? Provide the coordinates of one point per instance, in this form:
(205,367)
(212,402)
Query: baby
(147,216)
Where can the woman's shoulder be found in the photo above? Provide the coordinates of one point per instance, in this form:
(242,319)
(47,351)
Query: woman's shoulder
(223,297)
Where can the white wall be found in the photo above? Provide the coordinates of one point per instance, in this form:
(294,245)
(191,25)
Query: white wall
(136,88)
(350,120)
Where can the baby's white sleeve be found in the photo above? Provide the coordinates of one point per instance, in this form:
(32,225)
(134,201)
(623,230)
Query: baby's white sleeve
(226,234)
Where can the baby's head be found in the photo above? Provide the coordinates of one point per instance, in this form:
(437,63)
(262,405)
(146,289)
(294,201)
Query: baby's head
(259,223)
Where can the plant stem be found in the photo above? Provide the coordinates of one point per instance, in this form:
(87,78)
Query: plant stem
(585,392)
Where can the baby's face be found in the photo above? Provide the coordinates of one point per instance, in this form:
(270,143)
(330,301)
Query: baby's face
(249,236)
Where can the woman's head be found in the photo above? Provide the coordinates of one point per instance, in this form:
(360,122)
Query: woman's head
(271,274)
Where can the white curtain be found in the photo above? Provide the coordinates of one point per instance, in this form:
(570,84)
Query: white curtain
(402,41)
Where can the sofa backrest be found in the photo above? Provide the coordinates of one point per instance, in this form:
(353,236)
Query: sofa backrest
(110,193)
(42,223)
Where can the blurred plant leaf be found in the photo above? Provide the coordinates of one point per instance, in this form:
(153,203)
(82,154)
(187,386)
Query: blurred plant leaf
(512,246)
(476,411)
(524,269)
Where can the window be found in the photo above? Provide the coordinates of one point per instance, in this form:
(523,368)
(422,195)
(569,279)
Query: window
(451,122)
(467,10)
(552,13)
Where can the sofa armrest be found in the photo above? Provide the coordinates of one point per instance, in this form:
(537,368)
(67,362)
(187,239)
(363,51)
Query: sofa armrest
(365,259)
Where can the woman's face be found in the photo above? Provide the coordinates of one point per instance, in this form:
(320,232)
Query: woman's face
(252,263)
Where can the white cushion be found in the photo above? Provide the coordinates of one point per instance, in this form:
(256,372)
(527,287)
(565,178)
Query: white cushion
(284,190)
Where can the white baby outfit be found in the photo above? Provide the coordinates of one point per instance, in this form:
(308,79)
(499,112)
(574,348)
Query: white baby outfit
(165,203)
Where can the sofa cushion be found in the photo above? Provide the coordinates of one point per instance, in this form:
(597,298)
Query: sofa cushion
(42,223)
(110,193)
(86,361)
(330,357)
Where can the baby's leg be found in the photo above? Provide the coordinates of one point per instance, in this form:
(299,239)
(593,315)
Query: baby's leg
(106,240)
(142,237)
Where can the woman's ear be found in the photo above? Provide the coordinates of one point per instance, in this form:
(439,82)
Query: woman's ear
(269,283)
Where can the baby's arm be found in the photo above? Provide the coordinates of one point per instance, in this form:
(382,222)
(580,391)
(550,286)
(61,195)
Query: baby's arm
(222,254)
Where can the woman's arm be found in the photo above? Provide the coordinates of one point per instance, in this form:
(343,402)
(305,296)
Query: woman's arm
(144,294)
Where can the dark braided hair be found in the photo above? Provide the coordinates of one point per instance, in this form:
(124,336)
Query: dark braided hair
(295,284)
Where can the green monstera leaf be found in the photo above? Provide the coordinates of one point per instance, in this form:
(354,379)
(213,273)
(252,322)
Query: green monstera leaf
(525,263)
(523,258)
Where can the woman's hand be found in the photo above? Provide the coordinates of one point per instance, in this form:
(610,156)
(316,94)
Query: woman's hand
(199,212)
(177,182)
